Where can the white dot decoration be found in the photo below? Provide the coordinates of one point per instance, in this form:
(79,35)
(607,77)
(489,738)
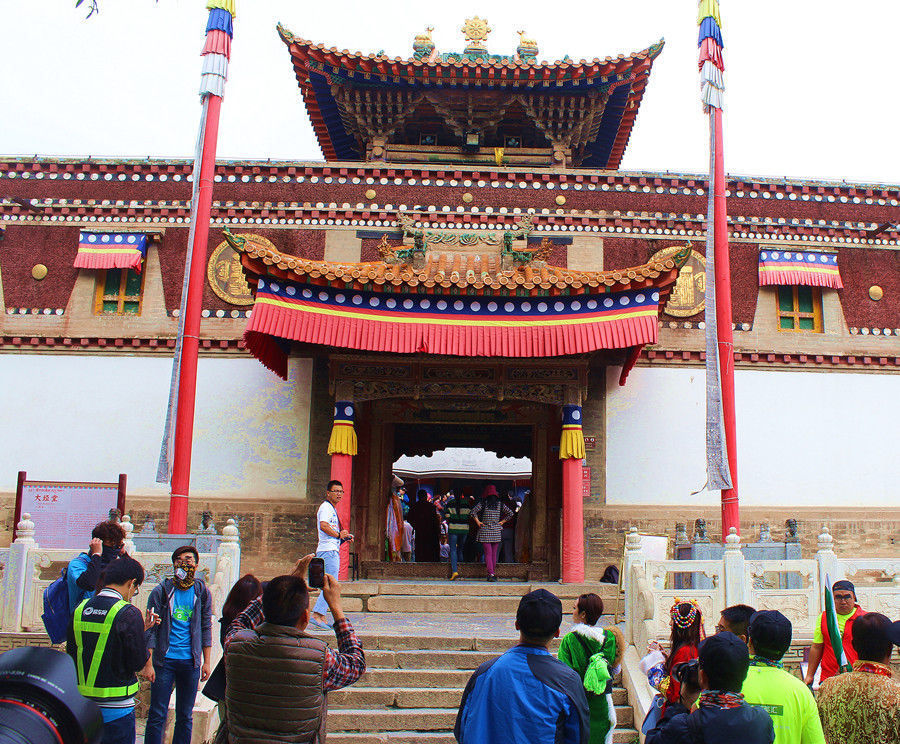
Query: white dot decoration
(391,303)
(374,302)
(824,259)
(290,290)
(274,287)
(357,299)
(640,298)
(336,411)
(441,304)
(608,302)
(542,307)
(323,296)
(340,298)
(526,307)
(576,305)
(558,306)
(764,256)
(408,304)
(655,297)
(476,306)
(576,415)
(624,300)
(458,305)
(307,293)
(492,306)
(348,410)
(592,304)
(774,256)
(425,304)
(509,307)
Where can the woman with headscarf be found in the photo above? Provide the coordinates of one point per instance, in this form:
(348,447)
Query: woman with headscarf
(490,515)
(394,529)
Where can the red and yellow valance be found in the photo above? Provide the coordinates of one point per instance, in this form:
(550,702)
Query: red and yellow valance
(99,250)
(454,325)
(799,267)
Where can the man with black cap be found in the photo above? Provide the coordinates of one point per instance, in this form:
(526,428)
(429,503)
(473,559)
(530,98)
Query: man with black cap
(863,706)
(770,687)
(526,696)
(722,716)
(847,611)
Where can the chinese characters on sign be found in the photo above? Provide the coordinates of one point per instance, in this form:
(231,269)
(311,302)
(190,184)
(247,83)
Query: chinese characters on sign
(65,513)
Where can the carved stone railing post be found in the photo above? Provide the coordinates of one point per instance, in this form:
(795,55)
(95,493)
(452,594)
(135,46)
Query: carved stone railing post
(228,555)
(130,547)
(15,576)
(828,565)
(633,557)
(733,569)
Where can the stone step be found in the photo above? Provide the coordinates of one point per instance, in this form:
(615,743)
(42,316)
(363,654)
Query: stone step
(416,697)
(440,643)
(473,589)
(422,678)
(391,719)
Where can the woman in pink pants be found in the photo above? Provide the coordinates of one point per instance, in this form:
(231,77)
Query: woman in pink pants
(489,516)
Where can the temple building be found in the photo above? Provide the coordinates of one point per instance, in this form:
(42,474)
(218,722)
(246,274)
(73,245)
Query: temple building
(468,267)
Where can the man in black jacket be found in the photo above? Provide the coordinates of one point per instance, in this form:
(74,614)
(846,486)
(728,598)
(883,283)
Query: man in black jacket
(107,640)
(722,716)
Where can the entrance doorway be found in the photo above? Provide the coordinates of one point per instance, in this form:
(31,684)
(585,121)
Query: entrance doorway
(454,480)
(522,430)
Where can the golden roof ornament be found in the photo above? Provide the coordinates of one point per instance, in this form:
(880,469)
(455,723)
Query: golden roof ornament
(476,31)
(423,44)
(527,49)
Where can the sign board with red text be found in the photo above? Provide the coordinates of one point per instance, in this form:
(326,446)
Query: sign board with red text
(64,513)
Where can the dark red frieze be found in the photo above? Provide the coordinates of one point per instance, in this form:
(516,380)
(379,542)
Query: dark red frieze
(21,248)
(861,269)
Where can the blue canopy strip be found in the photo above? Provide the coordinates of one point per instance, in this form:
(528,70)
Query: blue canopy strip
(220,20)
(709,29)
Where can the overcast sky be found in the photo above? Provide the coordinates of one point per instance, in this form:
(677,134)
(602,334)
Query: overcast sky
(812,84)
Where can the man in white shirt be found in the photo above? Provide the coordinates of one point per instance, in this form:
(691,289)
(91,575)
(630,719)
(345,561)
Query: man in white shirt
(331,535)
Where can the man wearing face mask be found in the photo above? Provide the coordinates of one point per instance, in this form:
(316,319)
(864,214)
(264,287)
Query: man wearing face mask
(181,646)
(83,571)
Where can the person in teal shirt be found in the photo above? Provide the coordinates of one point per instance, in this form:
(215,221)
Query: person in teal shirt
(768,686)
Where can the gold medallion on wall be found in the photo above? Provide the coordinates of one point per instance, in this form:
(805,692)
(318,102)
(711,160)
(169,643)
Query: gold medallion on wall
(688,295)
(224,273)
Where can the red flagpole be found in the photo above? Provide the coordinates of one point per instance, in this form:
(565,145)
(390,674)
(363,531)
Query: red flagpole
(725,339)
(187,383)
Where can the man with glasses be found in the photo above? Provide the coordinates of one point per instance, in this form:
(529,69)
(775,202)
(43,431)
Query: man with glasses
(181,646)
(331,535)
(821,651)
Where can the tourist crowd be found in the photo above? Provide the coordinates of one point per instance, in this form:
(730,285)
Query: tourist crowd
(272,682)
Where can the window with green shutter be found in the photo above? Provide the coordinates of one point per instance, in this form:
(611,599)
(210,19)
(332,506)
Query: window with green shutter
(800,309)
(119,292)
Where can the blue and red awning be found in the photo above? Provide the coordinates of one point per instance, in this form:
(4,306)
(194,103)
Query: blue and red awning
(799,267)
(100,250)
(474,326)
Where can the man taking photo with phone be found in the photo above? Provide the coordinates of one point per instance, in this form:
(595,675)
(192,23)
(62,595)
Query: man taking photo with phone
(268,656)
(331,535)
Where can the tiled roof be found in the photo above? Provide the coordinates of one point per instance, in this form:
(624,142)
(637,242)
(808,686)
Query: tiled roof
(318,68)
(446,270)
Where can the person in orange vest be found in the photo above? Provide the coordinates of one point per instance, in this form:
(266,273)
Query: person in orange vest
(821,651)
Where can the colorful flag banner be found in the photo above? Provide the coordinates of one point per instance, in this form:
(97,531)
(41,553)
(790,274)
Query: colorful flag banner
(834,630)
(712,83)
(799,267)
(98,250)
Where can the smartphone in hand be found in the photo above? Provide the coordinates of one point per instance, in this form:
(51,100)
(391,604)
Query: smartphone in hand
(317,573)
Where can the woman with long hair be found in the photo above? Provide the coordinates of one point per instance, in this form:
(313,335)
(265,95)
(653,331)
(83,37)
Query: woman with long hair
(489,516)
(595,653)
(684,644)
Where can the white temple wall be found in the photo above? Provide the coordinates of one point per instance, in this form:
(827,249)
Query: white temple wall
(804,438)
(89,418)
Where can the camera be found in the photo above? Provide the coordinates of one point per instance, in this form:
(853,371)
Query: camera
(40,702)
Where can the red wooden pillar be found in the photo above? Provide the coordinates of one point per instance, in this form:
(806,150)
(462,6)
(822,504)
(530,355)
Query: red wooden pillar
(342,447)
(571,452)
(342,470)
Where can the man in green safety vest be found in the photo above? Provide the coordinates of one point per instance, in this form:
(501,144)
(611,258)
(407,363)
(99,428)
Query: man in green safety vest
(107,640)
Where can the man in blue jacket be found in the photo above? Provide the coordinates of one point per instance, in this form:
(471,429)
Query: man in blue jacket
(526,696)
(181,646)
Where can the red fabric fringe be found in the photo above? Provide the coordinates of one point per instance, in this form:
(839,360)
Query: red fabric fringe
(217,42)
(808,278)
(108,261)
(470,340)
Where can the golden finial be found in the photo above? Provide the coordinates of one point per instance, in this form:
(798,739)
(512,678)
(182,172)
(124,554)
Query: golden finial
(476,31)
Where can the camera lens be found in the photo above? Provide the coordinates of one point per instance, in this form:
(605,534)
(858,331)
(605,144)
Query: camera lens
(40,702)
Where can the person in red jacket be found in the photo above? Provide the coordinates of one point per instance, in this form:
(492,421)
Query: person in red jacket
(821,651)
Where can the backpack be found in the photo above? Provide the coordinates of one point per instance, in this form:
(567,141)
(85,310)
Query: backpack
(56,608)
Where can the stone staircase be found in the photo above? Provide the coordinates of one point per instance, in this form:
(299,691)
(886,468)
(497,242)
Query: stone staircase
(418,662)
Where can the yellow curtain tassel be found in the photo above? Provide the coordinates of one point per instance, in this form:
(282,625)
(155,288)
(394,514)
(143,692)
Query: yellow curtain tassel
(222,5)
(571,444)
(343,440)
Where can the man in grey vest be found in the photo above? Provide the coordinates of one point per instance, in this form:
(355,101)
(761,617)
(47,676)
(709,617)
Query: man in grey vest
(268,656)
